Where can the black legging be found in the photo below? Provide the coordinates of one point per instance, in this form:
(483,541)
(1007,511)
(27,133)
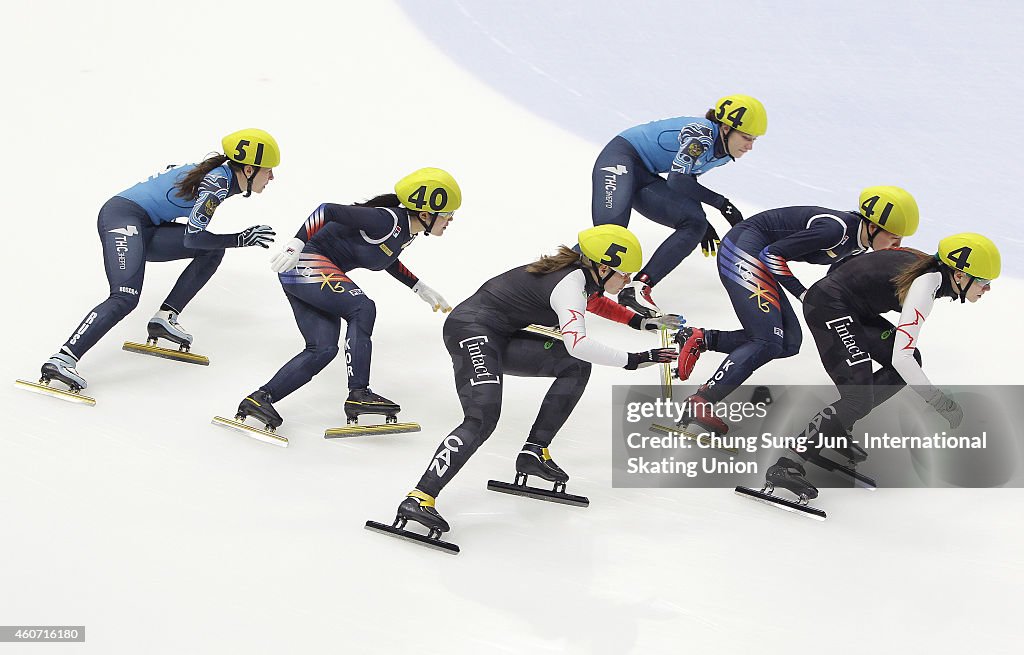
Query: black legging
(129,240)
(481,357)
(847,344)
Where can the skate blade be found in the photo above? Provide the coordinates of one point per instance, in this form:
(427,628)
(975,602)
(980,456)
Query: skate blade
(361,430)
(782,503)
(538,494)
(703,441)
(858,479)
(408,535)
(248,430)
(45,389)
(666,369)
(551,333)
(165,353)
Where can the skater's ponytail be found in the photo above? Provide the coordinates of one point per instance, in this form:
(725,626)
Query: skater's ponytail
(385,200)
(188,186)
(550,263)
(903,279)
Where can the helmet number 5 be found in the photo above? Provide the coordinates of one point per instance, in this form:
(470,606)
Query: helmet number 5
(611,256)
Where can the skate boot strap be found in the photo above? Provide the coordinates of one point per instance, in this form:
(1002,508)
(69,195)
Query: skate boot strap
(528,447)
(253,401)
(426,500)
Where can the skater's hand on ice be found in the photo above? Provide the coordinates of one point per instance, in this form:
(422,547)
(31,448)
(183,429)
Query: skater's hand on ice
(431,297)
(651,357)
(288,257)
(670,321)
(257,235)
(948,407)
(730,213)
(709,242)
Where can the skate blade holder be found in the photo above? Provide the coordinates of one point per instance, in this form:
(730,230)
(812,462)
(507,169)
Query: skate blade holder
(859,479)
(266,436)
(180,355)
(430,540)
(43,387)
(356,430)
(556,494)
(766,496)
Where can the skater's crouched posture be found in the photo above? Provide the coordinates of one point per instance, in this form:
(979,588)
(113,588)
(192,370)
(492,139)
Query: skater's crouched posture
(844,314)
(484,339)
(314,270)
(137,226)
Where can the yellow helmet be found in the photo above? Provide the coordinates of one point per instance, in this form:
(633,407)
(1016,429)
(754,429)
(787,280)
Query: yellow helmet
(252,146)
(612,245)
(971,253)
(742,113)
(429,189)
(891,208)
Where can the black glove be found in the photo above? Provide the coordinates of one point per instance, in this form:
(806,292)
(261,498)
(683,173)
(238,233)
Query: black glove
(257,235)
(651,357)
(709,242)
(730,212)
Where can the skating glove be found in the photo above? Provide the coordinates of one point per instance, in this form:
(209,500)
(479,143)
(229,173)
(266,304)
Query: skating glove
(709,242)
(651,357)
(948,407)
(431,297)
(730,213)
(670,321)
(257,235)
(288,257)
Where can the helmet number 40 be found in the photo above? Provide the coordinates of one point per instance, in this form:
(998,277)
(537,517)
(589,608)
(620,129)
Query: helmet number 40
(438,198)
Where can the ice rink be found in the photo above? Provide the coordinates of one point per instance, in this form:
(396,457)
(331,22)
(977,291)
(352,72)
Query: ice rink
(162,533)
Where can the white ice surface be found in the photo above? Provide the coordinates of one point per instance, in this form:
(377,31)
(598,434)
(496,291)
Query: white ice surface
(164,534)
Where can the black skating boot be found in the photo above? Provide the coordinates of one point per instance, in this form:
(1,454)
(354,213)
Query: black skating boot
(419,507)
(257,404)
(534,459)
(364,401)
(164,325)
(62,367)
(789,475)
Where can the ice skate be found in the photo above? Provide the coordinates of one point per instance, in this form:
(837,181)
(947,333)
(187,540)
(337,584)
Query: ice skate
(418,507)
(853,454)
(164,325)
(637,296)
(257,405)
(535,460)
(691,345)
(364,401)
(788,475)
(700,421)
(60,367)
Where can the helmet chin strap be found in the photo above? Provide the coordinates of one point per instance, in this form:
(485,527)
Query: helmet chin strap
(427,227)
(248,182)
(725,141)
(594,266)
(962,291)
(871,235)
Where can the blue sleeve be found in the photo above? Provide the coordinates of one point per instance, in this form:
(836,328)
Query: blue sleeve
(398,271)
(213,190)
(822,233)
(375,222)
(695,139)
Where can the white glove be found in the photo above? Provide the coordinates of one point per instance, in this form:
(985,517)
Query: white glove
(431,297)
(288,257)
(671,321)
(946,406)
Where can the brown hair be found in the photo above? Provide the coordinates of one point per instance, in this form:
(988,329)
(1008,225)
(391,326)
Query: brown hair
(906,276)
(188,186)
(711,116)
(550,263)
(383,200)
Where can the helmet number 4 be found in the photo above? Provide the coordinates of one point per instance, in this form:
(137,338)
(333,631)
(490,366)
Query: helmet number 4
(960,257)
(241,155)
(611,256)
(735,116)
(438,198)
(869,209)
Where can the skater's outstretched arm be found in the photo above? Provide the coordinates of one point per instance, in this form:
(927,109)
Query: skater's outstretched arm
(215,187)
(916,308)
(613,311)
